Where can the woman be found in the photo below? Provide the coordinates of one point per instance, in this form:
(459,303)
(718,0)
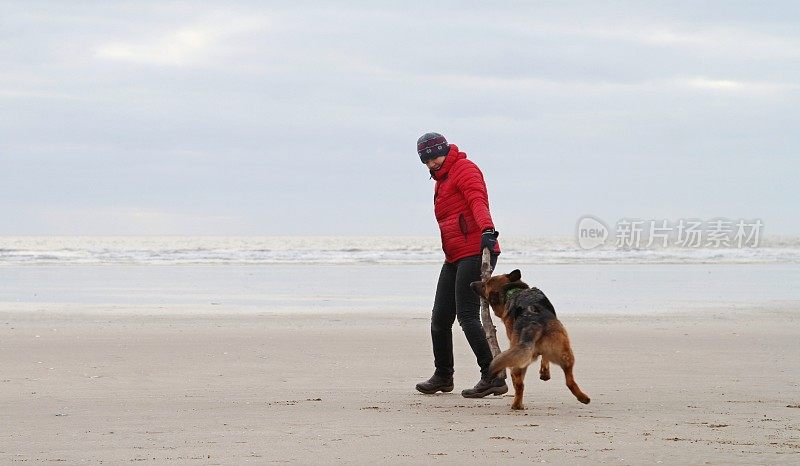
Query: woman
(461,205)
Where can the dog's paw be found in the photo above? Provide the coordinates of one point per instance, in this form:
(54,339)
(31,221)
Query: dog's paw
(518,407)
(584,399)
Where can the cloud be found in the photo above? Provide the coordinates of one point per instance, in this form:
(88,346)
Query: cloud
(260,110)
(730,39)
(183,47)
(27,94)
(186,46)
(734,86)
(87,220)
(540,86)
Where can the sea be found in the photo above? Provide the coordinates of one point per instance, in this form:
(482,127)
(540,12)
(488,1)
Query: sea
(394,250)
(155,275)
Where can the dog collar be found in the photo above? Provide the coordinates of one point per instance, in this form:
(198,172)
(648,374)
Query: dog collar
(510,293)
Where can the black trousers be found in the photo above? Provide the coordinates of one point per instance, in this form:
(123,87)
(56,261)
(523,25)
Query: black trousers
(454,299)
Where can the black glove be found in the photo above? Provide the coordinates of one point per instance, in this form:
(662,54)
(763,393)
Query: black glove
(489,239)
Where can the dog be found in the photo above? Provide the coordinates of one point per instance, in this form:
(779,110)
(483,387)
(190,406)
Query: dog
(532,329)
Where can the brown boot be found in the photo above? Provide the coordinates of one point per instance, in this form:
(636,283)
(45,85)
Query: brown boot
(495,386)
(437,383)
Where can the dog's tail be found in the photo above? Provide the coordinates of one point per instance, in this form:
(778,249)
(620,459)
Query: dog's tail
(515,358)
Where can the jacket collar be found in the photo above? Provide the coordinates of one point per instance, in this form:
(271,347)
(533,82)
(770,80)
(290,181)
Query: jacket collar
(452,157)
(510,293)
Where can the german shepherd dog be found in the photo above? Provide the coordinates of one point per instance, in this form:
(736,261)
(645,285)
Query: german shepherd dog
(532,329)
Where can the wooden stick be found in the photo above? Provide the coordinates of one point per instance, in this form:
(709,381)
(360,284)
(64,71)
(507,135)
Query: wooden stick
(486,315)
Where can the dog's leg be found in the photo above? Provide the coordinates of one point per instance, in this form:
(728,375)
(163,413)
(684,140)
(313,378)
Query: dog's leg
(556,348)
(518,376)
(567,362)
(573,386)
(544,370)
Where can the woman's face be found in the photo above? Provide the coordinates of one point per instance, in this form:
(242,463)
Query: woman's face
(435,163)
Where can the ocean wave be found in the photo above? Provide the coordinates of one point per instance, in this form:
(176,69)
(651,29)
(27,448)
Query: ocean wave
(356,250)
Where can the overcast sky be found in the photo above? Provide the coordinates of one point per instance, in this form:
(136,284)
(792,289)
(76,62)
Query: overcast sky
(299,117)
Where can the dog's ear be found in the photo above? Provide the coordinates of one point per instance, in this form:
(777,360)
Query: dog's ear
(477,287)
(515,275)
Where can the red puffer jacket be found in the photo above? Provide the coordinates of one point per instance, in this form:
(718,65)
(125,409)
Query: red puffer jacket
(461,204)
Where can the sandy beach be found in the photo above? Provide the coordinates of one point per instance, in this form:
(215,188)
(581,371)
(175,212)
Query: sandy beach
(89,382)
(701,389)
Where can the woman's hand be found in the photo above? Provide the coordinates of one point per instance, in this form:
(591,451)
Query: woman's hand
(489,239)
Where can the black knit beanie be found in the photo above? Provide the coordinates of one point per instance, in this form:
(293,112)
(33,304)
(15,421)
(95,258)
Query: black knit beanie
(431,145)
